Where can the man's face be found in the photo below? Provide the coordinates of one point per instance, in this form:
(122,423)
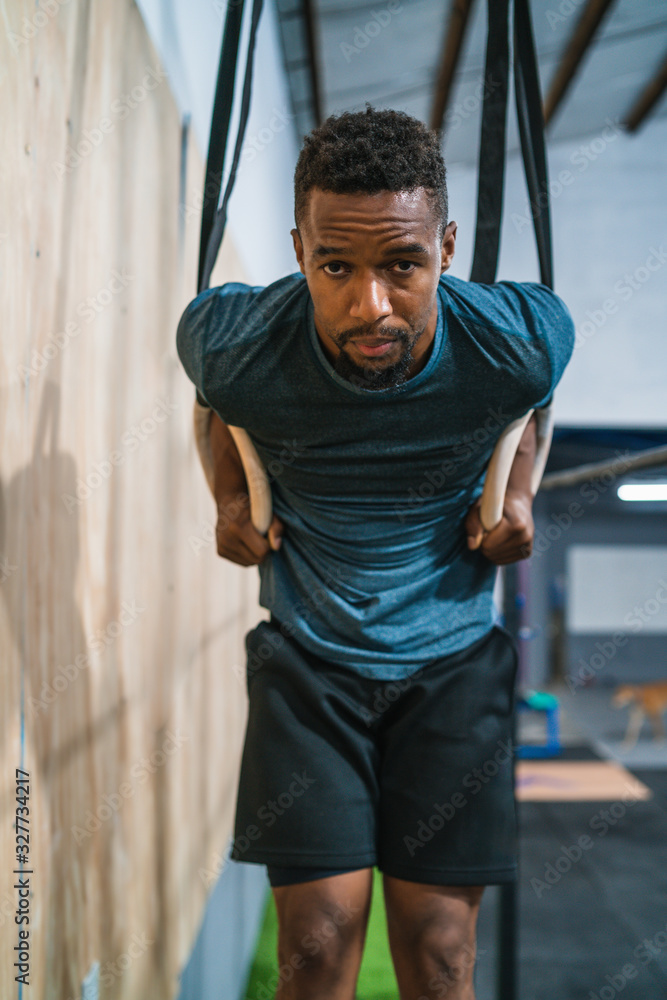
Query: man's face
(372,263)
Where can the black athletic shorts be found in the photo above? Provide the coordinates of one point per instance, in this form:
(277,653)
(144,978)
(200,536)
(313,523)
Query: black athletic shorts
(414,776)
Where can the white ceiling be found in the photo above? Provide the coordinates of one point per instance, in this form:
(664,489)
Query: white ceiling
(395,63)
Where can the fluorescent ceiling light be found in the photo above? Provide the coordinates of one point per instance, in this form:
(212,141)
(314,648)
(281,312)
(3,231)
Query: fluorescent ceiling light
(643,491)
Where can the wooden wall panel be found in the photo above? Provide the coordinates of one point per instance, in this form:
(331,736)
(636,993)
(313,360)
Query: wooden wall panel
(119,625)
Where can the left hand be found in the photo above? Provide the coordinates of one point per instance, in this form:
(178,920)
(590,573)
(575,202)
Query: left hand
(512,539)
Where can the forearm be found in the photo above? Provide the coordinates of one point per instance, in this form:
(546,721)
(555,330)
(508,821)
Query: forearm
(512,538)
(524,461)
(229,477)
(238,540)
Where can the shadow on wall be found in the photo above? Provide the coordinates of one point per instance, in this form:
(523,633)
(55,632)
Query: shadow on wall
(52,705)
(66,742)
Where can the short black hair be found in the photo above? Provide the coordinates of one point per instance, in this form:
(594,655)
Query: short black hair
(368,152)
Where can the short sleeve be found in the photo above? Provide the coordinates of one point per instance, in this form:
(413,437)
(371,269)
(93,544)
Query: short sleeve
(206,327)
(544,321)
(513,339)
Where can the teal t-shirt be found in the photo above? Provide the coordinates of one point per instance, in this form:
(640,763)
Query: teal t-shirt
(373,486)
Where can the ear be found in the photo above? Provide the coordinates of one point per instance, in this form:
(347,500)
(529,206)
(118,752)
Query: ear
(298,249)
(448,246)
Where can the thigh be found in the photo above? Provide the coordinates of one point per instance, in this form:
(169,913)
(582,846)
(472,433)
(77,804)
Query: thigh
(342,900)
(415,907)
(448,814)
(308,790)
(321,931)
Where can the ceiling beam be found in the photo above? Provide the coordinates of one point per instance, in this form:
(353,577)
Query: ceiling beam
(451,52)
(313,57)
(647,100)
(584,32)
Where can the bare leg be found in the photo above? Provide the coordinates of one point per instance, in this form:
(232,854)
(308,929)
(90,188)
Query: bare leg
(321,933)
(432,935)
(635,723)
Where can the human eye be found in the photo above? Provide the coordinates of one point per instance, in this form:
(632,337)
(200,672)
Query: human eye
(337,268)
(404,266)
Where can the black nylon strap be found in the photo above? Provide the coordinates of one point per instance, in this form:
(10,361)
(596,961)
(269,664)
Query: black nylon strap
(531,132)
(222,111)
(491,178)
(220,221)
(492,143)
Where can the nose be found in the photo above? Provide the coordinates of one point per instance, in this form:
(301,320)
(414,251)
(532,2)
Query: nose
(370,301)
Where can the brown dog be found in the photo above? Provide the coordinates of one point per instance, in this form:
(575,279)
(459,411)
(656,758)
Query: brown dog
(646,701)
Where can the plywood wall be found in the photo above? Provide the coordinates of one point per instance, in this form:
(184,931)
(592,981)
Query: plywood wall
(119,626)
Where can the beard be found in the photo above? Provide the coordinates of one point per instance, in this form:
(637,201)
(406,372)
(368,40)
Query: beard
(376,374)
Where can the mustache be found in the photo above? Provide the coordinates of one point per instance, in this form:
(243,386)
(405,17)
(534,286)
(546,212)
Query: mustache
(375,333)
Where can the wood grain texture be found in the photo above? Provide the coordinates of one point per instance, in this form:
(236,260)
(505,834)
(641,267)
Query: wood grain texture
(120,628)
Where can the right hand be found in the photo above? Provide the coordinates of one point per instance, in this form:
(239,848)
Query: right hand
(237,538)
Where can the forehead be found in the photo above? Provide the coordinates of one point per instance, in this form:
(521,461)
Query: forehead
(375,217)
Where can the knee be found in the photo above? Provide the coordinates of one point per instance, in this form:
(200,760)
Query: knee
(318,953)
(317,945)
(447,955)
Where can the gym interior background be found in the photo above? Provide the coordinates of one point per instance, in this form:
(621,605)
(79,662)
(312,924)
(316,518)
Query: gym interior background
(122,632)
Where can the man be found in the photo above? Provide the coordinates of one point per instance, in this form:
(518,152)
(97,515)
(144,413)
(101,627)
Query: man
(381,691)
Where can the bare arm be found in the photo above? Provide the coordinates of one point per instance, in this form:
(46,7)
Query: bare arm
(512,539)
(237,538)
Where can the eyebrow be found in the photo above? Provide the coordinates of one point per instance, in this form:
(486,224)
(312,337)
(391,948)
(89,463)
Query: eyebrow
(323,251)
(414,249)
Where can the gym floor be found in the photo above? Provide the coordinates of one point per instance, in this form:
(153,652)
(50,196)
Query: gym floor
(596,927)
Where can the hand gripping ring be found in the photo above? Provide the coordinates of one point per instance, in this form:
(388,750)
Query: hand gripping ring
(495,482)
(259,490)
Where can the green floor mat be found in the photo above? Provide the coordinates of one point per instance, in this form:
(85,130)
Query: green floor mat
(376,977)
